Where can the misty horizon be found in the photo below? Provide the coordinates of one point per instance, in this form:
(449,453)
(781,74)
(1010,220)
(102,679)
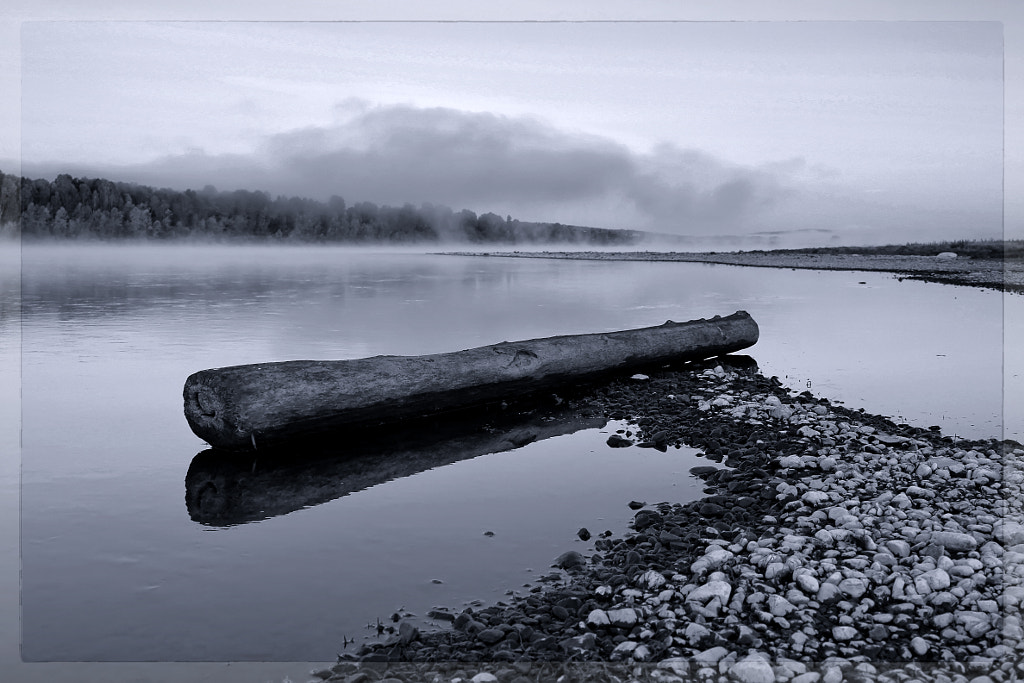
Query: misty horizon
(869,130)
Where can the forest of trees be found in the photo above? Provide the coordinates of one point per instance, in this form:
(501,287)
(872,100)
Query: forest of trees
(93,208)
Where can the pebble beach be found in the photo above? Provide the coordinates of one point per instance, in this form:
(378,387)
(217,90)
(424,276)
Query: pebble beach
(831,545)
(1001,274)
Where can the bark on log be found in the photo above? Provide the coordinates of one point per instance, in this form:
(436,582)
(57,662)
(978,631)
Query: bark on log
(249,406)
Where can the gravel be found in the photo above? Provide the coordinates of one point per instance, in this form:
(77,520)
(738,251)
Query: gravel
(831,545)
(1005,275)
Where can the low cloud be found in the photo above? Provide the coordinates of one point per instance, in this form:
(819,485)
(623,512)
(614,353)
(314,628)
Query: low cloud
(516,165)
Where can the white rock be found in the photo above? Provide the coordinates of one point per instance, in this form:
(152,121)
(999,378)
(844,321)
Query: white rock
(806,581)
(833,674)
(626,646)
(809,677)
(976,623)
(640,377)
(484,677)
(652,579)
(844,632)
(598,617)
(827,592)
(1010,533)
(790,461)
(899,548)
(754,668)
(990,606)
(853,587)
(625,616)
(825,537)
(695,632)
(815,498)
(919,645)
(712,589)
(953,540)
(779,606)
(677,665)
(711,656)
(715,556)
(938,579)
(902,501)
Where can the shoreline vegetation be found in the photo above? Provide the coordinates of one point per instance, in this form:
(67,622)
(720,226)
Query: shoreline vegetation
(70,208)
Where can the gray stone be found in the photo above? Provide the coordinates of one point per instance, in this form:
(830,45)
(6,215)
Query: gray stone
(843,633)
(407,633)
(1010,533)
(828,592)
(625,616)
(833,674)
(853,587)
(712,655)
(898,547)
(779,606)
(712,589)
(695,633)
(806,582)
(937,579)
(754,668)
(491,636)
(645,518)
(809,677)
(952,540)
(569,559)
(586,642)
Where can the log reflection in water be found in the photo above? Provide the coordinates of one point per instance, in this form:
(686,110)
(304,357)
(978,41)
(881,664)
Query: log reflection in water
(225,489)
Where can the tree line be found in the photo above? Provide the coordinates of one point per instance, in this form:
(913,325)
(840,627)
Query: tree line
(94,208)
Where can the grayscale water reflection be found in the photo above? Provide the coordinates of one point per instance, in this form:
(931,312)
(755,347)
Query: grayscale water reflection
(114,568)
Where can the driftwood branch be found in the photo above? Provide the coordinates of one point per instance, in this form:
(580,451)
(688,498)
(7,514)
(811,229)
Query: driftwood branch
(250,406)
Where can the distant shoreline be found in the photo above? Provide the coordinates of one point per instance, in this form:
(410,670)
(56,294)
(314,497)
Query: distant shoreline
(1002,274)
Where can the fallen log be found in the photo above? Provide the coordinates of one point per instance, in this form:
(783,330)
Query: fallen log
(246,407)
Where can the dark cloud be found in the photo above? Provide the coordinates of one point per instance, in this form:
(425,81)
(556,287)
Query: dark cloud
(518,165)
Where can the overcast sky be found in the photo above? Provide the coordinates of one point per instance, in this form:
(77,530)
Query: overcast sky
(880,130)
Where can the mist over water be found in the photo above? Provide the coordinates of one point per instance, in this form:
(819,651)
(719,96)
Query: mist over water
(117,566)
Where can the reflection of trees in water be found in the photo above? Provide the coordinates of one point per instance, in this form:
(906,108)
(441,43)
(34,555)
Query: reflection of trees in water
(225,489)
(166,277)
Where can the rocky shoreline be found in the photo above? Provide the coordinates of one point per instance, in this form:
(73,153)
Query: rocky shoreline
(831,545)
(1004,275)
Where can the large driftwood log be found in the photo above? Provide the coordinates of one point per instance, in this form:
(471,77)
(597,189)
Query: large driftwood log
(249,406)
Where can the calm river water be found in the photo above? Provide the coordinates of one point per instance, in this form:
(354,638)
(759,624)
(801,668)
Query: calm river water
(117,566)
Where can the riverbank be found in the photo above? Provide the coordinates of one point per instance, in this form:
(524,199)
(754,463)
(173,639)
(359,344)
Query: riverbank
(831,545)
(1002,274)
